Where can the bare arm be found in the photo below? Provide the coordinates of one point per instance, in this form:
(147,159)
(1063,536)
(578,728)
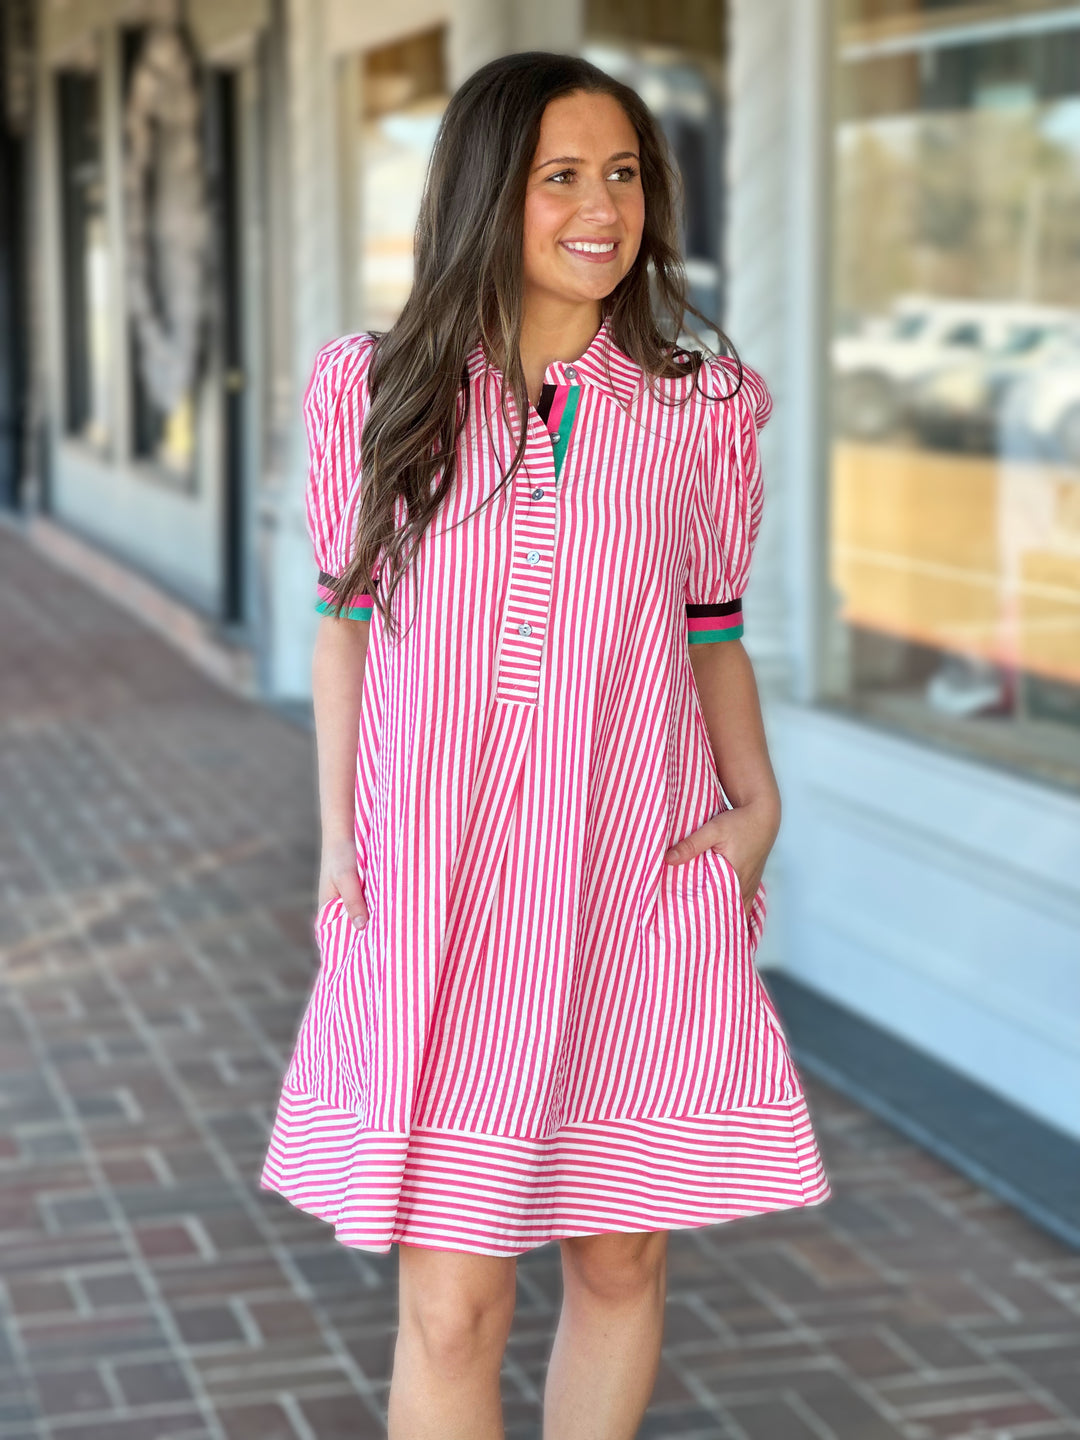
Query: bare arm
(729,700)
(337,679)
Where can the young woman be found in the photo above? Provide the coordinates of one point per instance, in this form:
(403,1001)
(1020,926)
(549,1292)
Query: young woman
(537,1015)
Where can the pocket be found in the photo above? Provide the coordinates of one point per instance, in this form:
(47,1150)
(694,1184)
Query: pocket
(313,1066)
(327,939)
(336,940)
(322,915)
(732,881)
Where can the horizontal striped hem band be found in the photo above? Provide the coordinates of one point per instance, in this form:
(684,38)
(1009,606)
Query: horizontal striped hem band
(359,606)
(720,621)
(505,1195)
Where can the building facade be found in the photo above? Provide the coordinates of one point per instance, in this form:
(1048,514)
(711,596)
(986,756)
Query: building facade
(883,208)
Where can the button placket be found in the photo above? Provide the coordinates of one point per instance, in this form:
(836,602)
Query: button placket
(528,603)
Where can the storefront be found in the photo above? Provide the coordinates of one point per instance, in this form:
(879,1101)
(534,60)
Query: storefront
(150,182)
(914,198)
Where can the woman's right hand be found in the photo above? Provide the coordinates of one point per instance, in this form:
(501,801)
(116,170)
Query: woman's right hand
(338,875)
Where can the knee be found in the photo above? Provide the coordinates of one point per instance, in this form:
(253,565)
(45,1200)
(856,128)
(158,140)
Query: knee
(616,1268)
(455,1334)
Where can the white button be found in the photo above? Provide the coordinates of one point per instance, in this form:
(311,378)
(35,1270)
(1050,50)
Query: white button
(525,629)
(532,556)
(538,494)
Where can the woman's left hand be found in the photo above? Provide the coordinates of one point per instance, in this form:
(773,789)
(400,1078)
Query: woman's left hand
(744,835)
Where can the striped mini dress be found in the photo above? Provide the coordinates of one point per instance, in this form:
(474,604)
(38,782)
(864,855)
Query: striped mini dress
(544,1030)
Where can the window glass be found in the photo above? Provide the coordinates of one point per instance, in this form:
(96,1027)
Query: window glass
(402,95)
(673,56)
(954,532)
(163,437)
(87,332)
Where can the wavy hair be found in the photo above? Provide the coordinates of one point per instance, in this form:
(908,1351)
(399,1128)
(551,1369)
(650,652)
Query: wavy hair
(469,287)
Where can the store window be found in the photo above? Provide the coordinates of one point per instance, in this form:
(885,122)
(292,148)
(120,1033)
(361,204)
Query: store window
(165,226)
(954,531)
(399,93)
(673,56)
(85,257)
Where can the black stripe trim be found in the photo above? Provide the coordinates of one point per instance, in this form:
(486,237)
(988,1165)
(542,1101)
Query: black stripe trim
(725,607)
(544,404)
(331,580)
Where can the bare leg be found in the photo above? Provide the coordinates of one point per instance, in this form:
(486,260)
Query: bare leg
(607,1347)
(455,1313)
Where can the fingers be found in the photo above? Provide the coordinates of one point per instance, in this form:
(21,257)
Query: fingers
(351,891)
(712,836)
(696,843)
(706,837)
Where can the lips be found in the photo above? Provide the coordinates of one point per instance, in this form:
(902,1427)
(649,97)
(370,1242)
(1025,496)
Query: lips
(601,256)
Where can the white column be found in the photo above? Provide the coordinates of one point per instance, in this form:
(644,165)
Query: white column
(555,25)
(778,275)
(313,274)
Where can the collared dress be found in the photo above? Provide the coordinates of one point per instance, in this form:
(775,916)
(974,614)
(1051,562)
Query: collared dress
(544,1030)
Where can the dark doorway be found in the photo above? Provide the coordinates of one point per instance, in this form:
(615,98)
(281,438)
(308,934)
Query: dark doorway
(13,285)
(225,180)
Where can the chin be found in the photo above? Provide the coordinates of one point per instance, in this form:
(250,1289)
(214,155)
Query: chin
(603,287)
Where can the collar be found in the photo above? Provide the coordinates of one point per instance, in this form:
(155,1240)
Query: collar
(602,365)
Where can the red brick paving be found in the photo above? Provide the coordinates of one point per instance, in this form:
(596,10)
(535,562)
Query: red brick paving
(157,862)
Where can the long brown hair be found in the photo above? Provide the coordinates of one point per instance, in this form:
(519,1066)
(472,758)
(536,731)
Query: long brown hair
(469,287)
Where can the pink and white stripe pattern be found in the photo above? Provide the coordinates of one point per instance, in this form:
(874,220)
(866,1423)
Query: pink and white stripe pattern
(544,1030)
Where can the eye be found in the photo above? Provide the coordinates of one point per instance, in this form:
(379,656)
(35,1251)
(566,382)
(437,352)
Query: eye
(626,173)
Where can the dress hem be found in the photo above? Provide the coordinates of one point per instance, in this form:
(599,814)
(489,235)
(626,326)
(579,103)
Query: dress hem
(505,1195)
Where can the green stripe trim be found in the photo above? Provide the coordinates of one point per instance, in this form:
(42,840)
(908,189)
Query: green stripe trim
(566,424)
(702,637)
(349,612)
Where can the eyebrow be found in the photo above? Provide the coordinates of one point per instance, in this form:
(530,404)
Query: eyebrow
(579,160)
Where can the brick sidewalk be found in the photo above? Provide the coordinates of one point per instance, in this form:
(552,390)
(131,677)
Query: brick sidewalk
(157,864)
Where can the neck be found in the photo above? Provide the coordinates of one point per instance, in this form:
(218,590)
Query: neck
(554,330)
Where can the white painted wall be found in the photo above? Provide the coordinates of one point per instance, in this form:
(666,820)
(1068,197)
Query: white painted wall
(162,532)
(941,899)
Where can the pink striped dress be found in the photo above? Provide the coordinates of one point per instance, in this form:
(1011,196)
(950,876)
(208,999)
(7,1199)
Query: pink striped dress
(544,1030)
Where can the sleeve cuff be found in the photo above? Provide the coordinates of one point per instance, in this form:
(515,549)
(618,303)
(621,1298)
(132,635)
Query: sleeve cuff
(707,623)
(359,607)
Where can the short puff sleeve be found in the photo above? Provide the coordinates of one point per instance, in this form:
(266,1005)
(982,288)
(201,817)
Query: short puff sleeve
(335,403)
(727,502)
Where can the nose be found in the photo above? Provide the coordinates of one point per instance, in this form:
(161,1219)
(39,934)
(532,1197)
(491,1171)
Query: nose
(597,203)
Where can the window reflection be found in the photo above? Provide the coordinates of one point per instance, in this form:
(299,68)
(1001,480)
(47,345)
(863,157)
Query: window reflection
(955,469)
(403,93)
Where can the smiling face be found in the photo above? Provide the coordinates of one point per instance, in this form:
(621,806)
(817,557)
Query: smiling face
(584,206)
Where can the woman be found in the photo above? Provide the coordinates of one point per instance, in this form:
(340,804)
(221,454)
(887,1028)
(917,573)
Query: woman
(537,1015)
